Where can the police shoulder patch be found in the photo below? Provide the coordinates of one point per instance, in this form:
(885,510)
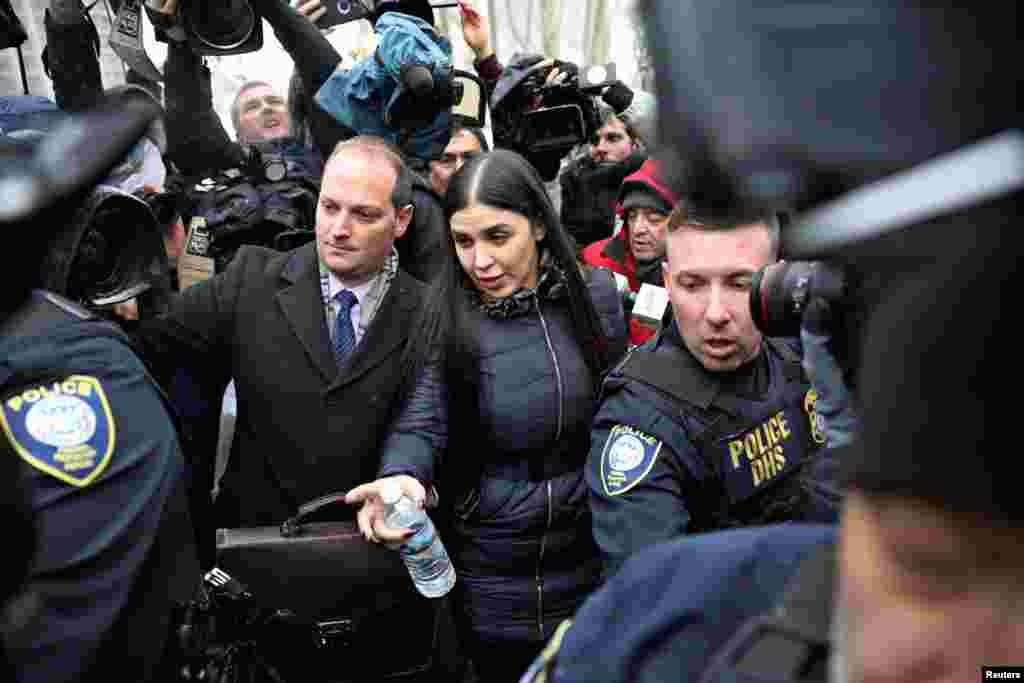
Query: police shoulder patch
(627,458)
(817,421)
(64,428)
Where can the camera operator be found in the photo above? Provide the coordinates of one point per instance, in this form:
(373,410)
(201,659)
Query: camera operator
(92,437)
(541,110)
(590,184)
(709,425)
(466,142)
(263,119)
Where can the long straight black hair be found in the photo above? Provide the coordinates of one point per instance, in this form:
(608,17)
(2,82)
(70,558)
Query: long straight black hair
(449,327)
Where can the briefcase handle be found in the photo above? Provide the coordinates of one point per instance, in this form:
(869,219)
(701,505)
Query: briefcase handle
(293,527)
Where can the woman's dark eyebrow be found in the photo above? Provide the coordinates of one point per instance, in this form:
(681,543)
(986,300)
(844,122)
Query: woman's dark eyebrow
(499,227)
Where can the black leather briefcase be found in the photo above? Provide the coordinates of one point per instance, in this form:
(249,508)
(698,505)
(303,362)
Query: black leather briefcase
(351,606)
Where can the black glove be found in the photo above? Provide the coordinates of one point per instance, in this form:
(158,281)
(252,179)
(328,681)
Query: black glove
(618,96)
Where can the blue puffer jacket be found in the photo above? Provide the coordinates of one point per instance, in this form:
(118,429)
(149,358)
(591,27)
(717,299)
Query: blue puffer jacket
(523,546)
(521,541)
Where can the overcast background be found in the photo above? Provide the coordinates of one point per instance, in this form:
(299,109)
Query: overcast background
(581,31)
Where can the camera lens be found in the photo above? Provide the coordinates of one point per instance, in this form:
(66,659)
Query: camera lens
(275,170)
(222,25)
(778,295)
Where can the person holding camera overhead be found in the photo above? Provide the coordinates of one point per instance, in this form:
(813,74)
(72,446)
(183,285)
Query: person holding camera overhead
(709,424)
(525,336)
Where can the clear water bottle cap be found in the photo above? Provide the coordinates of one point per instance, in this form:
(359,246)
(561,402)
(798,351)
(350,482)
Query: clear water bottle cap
(390,492)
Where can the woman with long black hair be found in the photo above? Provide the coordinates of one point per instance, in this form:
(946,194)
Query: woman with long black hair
(522,336)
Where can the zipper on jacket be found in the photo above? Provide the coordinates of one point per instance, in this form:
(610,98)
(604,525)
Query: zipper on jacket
(540,564)
(558,435)
(558,369)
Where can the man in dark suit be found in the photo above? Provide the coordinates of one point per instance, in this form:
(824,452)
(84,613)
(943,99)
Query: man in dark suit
(314,339)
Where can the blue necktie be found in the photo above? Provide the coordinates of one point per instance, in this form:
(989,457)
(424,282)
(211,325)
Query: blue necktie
(344,335)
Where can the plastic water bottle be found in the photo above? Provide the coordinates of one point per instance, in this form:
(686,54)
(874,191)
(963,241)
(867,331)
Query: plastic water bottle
(423,553)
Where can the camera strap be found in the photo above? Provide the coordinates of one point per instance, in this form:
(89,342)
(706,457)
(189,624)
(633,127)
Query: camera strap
(126,41)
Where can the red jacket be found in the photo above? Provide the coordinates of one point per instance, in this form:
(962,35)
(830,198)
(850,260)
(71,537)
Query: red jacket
(615,253)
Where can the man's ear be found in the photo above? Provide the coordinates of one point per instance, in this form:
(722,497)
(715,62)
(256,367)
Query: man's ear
(402,219)
(539,231)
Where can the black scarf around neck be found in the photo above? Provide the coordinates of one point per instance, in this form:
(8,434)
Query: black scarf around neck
(553,284)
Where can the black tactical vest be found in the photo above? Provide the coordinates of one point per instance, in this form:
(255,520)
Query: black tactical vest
(756,448)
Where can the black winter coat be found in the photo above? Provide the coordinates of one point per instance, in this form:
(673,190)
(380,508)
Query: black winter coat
(521,540)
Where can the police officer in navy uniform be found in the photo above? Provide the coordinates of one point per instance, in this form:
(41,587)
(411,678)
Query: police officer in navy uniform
(920,581)
(94,442)
(708,425)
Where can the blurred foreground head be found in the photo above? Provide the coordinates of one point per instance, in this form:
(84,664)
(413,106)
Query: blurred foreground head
(932,546)
(889,129)
(792,105)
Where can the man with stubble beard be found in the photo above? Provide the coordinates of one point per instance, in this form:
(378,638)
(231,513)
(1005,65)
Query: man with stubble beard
(707,425)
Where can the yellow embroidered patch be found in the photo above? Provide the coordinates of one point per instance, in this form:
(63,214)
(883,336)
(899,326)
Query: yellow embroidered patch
(628,457)
(65,428)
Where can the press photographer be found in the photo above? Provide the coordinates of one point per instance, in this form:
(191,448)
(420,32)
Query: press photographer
(590,183)
(542,110)
(545,109)
(200,146)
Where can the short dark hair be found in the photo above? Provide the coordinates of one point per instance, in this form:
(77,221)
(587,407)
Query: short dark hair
(683,217)
(236,107)
(606,115)
(401,194)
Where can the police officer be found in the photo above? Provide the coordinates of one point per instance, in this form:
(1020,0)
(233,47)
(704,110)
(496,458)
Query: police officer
(708,425)
(94,442)
(921,579)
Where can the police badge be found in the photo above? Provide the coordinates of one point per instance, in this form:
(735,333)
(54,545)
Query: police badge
(63,428)
(627,458)
(817,423)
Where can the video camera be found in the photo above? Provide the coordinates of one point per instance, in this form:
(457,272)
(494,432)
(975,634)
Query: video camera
(221,27)
(110,252)
(47,184)
(544,121)
(781,292)
(269,201)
